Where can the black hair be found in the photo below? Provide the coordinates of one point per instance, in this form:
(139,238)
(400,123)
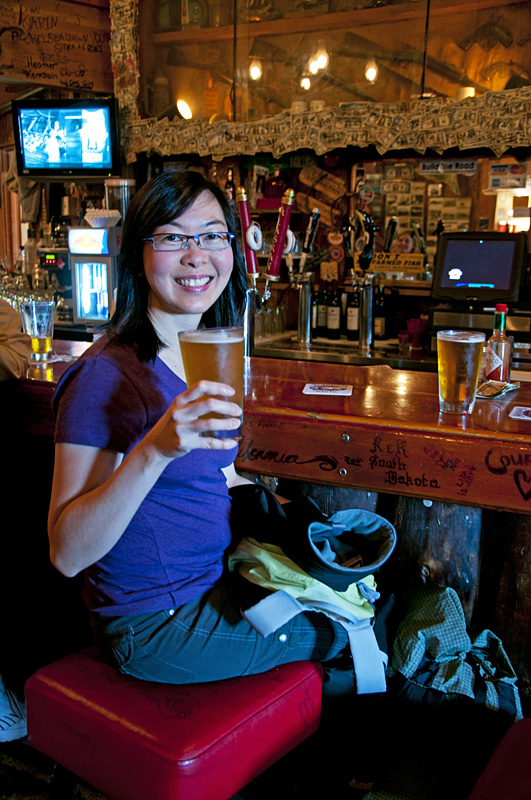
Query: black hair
(158,202)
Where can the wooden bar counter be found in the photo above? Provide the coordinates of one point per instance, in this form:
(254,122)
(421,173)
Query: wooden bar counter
(458,490)
(388,436)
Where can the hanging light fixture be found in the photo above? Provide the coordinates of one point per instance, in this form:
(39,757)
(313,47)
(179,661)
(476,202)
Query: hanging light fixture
(305,82)
(322,56)
(255,69)
(371,70)
(184,109)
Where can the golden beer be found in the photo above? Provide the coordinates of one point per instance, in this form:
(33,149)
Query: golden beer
(215,354)
(41,347)
(459,362)
(37,321)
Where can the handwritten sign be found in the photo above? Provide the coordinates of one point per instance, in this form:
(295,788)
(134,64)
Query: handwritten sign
(56,44)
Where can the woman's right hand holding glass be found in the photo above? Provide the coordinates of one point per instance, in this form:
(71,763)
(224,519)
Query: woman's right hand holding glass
(184,427)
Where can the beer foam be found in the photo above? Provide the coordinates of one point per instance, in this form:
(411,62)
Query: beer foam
(213,336)
(461,336)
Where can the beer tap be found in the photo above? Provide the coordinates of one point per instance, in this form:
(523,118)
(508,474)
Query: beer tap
(365,227)
(390,234)
(420,242)
(278,248)
(252,242)
(283,242)
(301,282)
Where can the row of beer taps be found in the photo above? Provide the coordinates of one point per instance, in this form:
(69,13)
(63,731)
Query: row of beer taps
(358,231)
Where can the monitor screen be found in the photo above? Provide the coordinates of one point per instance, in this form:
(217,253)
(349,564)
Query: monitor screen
(479,267)
(66,137)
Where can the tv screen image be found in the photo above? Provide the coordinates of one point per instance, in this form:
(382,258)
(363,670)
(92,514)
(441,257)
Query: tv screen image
(479,267)
(65,137)
(478,264)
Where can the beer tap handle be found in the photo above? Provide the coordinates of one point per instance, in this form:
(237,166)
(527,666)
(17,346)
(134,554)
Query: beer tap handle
(390,234)
(279,239)
(251,259)
(309,237)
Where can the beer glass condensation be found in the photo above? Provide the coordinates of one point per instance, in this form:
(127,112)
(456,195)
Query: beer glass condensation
(37,322)
(215,354)
(459,362)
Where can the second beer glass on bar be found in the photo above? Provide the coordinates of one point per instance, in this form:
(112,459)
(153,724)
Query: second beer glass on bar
(459,361)
(215,354)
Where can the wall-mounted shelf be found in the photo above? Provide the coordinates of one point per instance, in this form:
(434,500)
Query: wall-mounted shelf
(308,23)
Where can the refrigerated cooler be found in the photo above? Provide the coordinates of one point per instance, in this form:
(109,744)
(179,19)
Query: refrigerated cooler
(93,260)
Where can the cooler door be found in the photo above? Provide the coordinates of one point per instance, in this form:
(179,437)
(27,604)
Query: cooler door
(92,290)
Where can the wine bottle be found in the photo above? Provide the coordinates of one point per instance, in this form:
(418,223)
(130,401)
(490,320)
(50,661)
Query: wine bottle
(333,314)
(322,312)
(353,313)
(314,308)
(498,349)
(380,313)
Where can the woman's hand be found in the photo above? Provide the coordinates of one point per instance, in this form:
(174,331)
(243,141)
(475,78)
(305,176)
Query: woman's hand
(183,427)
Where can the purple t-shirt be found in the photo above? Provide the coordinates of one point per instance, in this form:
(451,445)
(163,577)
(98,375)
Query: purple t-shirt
(172,551)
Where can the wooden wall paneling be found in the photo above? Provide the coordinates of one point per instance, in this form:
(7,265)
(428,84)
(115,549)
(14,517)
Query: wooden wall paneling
(439,542)
(504,601)
(56,43)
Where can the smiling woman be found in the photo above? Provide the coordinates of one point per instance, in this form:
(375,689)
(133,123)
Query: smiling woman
(144,463)
(164,206)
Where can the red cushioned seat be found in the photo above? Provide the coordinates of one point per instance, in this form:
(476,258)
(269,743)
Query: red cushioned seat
(507,775)
(134,739)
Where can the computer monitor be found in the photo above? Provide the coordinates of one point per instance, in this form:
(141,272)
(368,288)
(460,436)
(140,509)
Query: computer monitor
(479,267)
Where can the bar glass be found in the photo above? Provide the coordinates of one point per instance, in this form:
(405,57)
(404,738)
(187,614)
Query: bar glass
(37,322)
(215,354)
(459,362)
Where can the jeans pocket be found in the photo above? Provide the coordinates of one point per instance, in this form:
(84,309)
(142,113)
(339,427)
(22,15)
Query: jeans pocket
(118,647)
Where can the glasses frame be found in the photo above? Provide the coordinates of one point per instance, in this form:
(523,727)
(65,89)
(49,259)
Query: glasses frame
(186,244)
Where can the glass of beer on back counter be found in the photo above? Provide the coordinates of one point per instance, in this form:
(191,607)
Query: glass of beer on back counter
(215,354)
(37,322)
(459,361)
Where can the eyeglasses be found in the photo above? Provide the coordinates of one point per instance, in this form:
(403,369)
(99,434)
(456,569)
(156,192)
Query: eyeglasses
(171,242)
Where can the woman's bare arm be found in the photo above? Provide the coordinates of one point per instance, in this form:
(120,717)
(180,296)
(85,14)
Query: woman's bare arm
(95,492)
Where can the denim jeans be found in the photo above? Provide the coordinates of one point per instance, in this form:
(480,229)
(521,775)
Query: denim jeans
(208,639)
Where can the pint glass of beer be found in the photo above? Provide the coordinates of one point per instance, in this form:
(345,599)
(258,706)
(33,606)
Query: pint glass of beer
(37,322)
(459,362)
(215,354)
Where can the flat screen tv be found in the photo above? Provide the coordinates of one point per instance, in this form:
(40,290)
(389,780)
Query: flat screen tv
(479,267)
(66,138)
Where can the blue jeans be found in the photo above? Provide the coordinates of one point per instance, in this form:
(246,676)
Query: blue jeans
(208,640)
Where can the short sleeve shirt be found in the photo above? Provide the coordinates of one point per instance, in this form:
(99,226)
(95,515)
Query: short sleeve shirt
(173,549)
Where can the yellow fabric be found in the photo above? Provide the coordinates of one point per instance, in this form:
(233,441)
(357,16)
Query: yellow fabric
(267,566)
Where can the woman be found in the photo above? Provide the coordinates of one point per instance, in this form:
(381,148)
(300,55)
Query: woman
(405,243)
(140,498)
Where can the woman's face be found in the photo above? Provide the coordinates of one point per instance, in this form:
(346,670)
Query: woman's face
(405,243)
(189,281)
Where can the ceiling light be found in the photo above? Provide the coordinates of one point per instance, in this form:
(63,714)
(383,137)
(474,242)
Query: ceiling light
(255,69)
(371,70)
(305,82)
(313,65)
(184,109)
(322,57)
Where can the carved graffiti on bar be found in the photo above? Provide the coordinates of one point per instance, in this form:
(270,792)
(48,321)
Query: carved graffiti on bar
(396,467)
(501,464)
(248,453)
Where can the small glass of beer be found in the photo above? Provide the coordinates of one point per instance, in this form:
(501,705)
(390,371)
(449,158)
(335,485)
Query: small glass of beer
(459,362)
(37,322)
(215,354)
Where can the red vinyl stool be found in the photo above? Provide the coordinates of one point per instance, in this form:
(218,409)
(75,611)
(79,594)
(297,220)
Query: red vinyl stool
(507,775)
(134,739)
